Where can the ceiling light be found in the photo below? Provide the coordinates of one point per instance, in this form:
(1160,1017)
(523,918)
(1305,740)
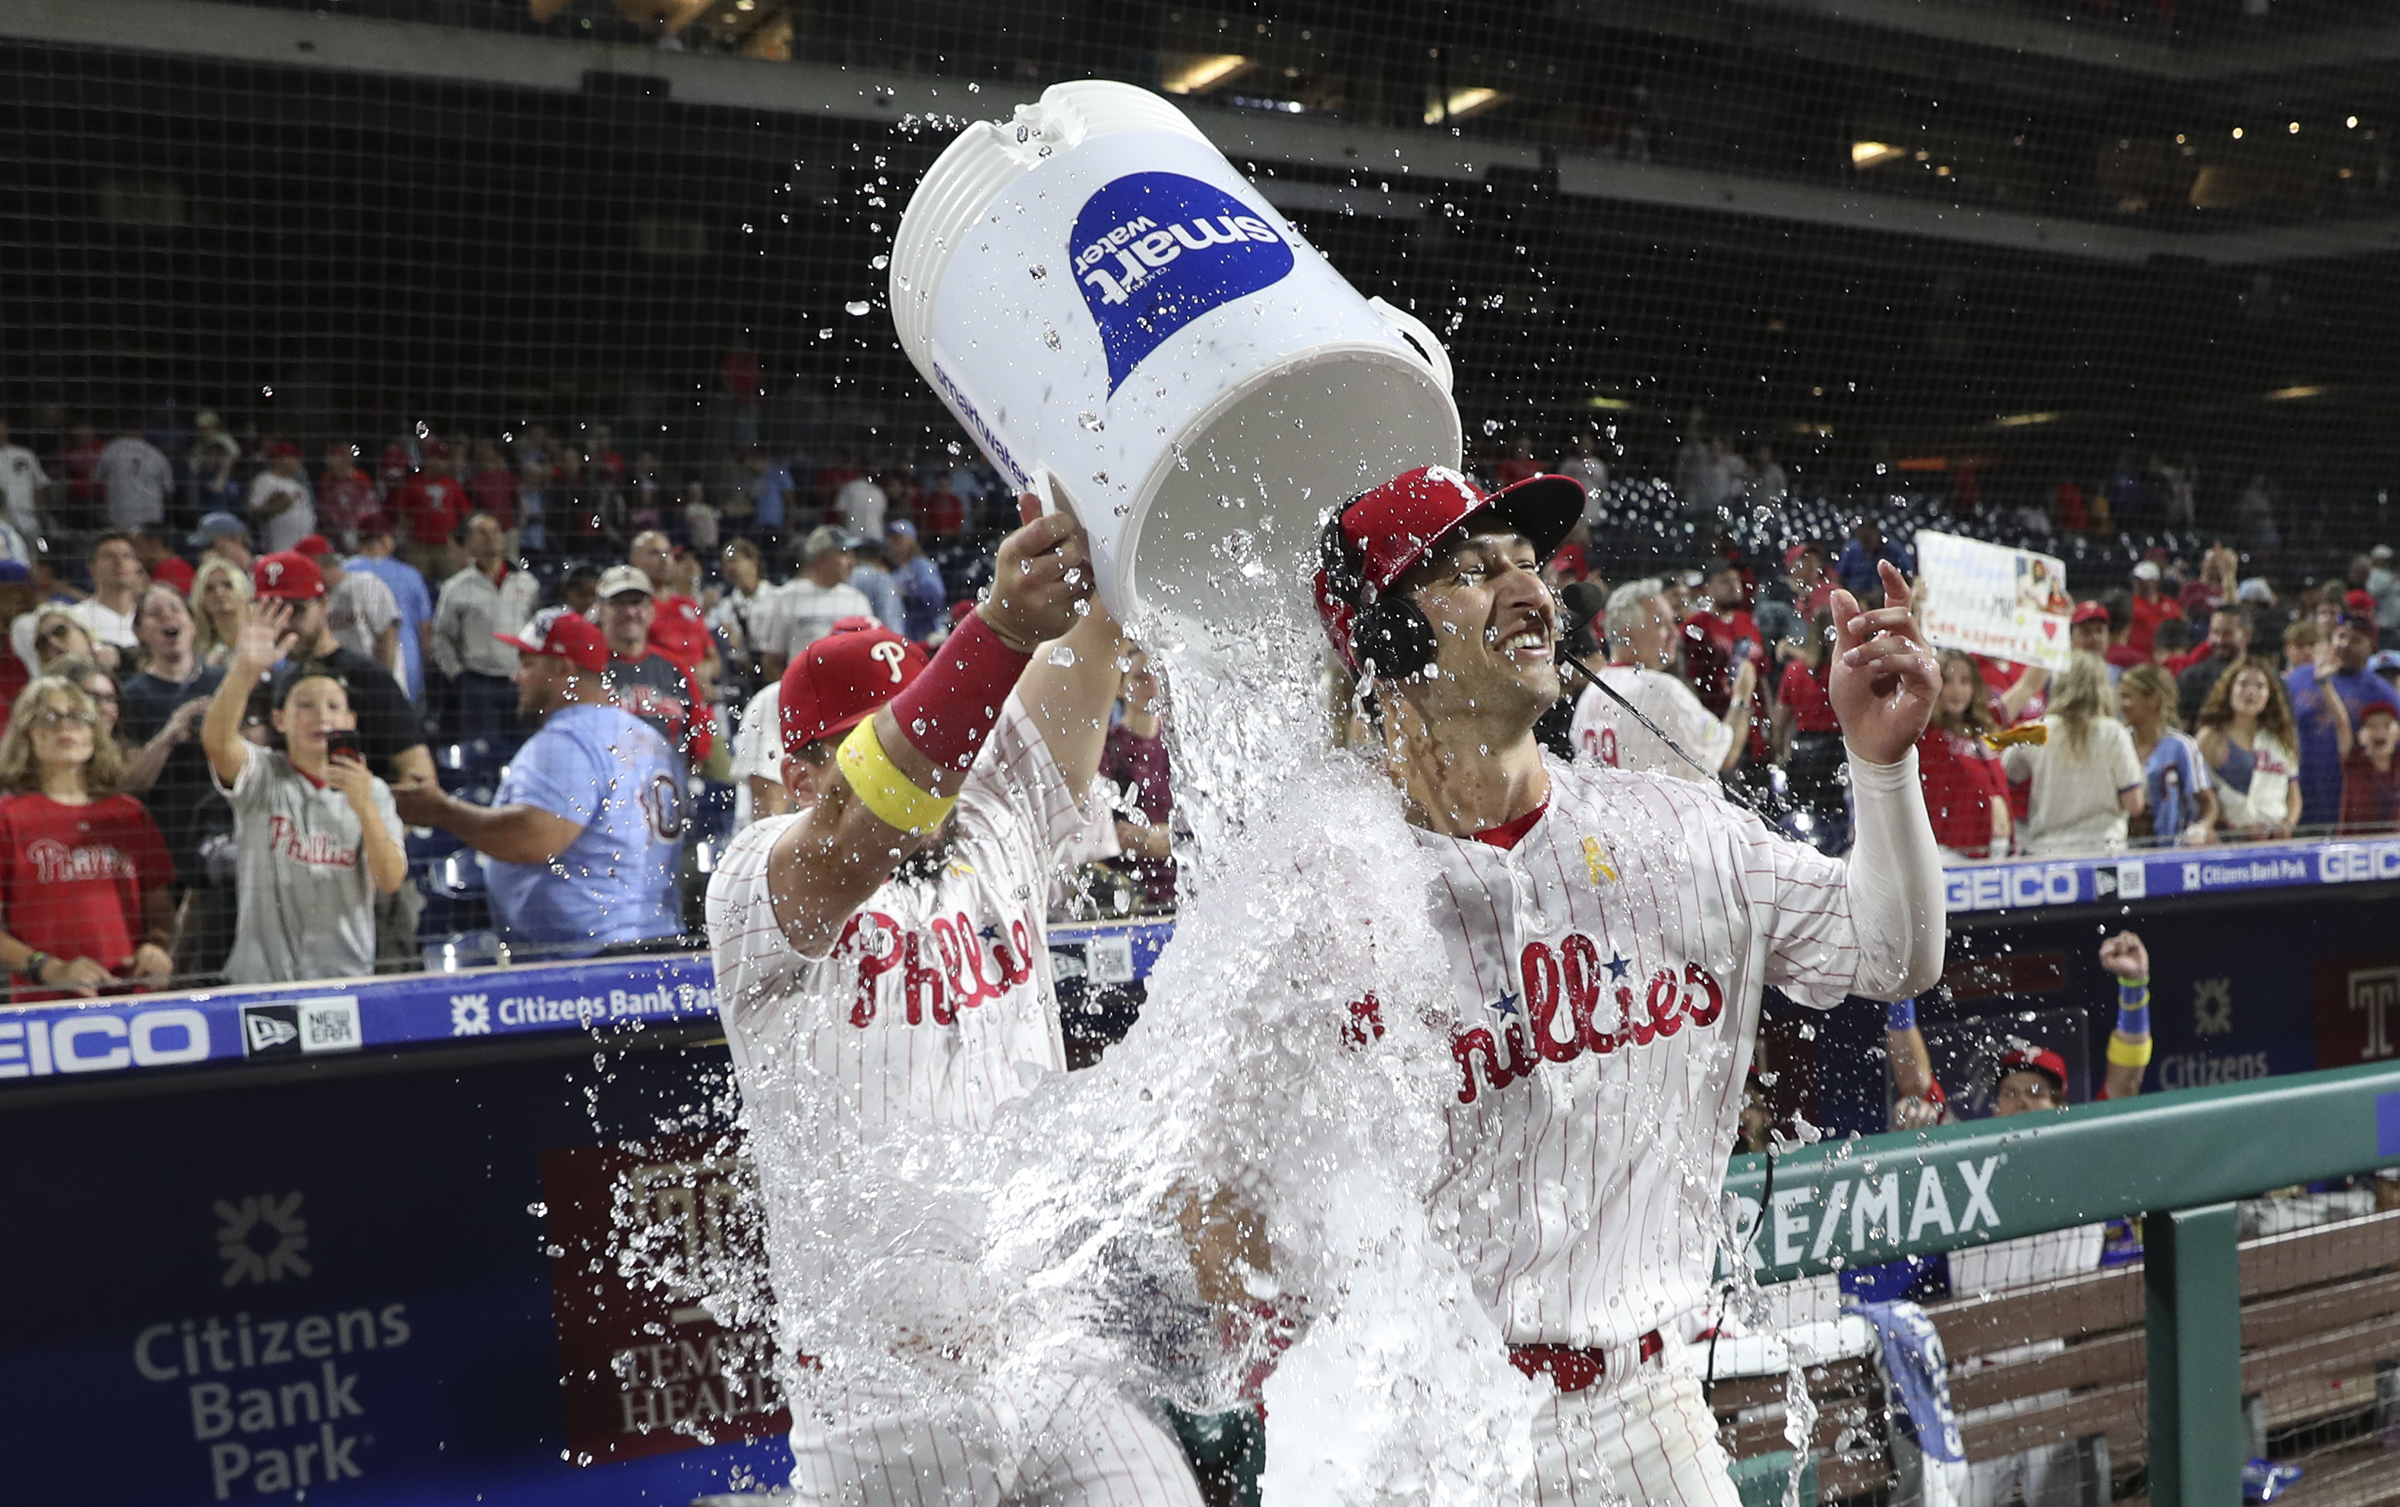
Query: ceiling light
(2286,394)
(1203,72)
(2295,128)
(1608,402)
(2179,138)
(2237,133)
(2352,122)
(1872,153)
(2021,420)
(1460,104)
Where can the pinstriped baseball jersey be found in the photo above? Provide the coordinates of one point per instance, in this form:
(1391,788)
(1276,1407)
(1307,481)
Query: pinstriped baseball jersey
(935,990)
(1607,971)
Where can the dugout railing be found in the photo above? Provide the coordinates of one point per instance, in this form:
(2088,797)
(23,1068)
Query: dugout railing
(2181,1163)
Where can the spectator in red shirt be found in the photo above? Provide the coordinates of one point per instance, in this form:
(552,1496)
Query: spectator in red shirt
(493,486)
(431,506)
(1135,760)
(678,629)
(84,873)
(1966,791)
(1719,636)
(2371,772)
(345,494)
(76,465)
(1808,737)
(18,596)
(2151,606)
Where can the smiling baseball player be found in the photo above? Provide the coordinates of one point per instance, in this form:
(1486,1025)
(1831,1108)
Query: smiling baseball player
(882,962)
(1609,934)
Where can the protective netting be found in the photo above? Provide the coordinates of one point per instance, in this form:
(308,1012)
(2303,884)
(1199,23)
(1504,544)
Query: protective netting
(2112,248)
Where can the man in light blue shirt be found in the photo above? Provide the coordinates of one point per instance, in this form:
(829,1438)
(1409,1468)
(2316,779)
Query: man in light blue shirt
(924,600)
(375,557)
(585,836)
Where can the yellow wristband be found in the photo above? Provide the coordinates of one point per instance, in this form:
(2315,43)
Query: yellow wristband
(2123,1053)
(885,791)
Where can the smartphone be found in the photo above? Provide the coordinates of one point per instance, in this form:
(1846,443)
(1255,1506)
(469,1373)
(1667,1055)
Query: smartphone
(344,745)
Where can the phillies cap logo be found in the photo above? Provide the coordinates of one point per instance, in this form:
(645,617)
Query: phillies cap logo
(1155,251)
(893,655)
(274,569)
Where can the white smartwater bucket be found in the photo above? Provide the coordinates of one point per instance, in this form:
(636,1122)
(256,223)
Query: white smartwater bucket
(1116,315)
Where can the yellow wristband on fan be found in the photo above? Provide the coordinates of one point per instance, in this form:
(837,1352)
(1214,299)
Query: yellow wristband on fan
(884,790)
(2123,1053)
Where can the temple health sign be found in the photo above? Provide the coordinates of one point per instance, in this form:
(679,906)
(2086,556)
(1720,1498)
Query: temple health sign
(1988,599)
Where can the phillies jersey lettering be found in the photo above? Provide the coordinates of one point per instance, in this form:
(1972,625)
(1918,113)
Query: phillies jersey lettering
(960,982)
(1573,977)
(1606,973)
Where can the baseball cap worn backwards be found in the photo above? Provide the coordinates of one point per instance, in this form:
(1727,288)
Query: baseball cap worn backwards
(561,633)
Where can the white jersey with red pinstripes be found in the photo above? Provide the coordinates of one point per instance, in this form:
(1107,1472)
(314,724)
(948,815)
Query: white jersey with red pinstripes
(935,991)
(1607,971)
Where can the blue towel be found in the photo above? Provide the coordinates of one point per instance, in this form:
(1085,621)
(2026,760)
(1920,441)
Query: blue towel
(1912,1357)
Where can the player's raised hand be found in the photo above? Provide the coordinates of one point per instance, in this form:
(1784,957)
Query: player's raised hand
(2125,956)
(1884,682)
(1041,579)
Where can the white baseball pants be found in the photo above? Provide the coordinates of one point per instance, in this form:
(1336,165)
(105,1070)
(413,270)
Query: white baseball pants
(1641,1435)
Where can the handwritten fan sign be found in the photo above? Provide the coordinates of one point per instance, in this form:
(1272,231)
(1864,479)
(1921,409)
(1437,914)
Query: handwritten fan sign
(1988,599)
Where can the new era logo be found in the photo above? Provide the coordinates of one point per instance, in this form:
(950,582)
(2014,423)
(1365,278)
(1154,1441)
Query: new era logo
(292,1027)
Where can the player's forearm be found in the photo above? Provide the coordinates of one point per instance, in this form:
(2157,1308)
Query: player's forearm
(1895,882)
(2129,1044)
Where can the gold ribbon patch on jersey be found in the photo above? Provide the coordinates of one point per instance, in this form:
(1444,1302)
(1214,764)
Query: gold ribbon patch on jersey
(1595,858)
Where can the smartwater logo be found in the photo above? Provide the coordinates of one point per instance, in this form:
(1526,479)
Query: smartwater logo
(1155,251)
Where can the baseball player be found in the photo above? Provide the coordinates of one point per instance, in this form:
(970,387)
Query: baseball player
(1643,645)
(882,966)
(1609,935)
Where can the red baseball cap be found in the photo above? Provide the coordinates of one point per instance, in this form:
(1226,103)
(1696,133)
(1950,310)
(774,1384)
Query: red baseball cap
(371,524)
(1381,534)
(2360,601)
(285,450)
(2026,1057)
(287,576)
(561,633)
(313,545)
(2374,709)
(2091,612)
(844,678)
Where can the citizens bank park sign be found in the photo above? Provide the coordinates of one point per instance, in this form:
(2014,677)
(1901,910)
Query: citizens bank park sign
(2166,873)
(130,1033)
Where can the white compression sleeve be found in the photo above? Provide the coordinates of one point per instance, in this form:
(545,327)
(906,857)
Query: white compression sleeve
(1895,882)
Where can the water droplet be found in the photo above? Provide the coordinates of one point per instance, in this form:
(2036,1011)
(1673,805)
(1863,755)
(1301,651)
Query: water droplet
(857,306)
(1090,420)
(824,334)
(1050,337)
(1037,271)
(879,262)
(1063,657)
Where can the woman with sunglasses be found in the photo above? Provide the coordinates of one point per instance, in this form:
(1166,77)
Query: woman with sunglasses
(85,903)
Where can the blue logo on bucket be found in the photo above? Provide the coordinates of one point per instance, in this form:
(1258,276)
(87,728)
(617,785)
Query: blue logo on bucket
(1155,251)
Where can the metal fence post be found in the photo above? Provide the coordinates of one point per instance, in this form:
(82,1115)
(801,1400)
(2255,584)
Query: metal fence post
(2192,1284)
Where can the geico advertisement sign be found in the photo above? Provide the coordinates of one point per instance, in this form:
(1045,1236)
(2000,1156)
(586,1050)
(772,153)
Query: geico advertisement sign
(103,1041)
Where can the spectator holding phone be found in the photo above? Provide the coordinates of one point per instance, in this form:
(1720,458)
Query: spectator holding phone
(317,833)
(84,874)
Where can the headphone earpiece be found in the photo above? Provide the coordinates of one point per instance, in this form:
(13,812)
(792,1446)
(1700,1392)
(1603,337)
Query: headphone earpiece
(1394,634)
(1398,637)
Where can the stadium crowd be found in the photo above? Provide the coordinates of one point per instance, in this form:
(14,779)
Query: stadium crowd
(268,725)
